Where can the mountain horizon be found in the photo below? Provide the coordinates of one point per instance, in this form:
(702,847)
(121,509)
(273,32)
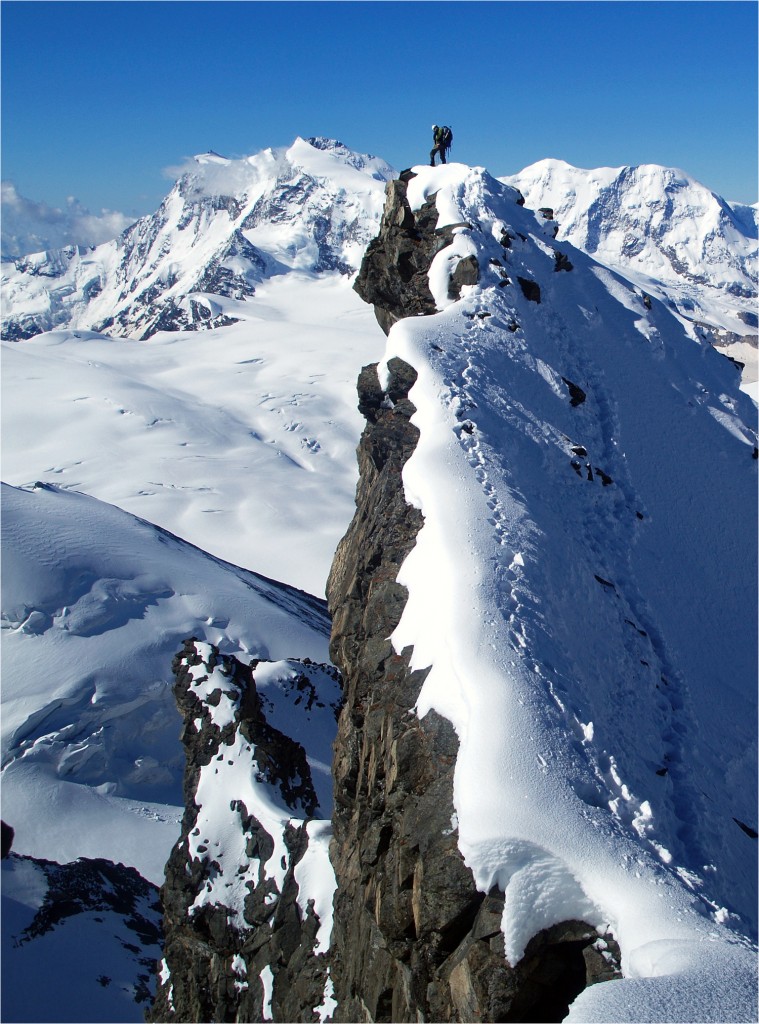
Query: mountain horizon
(542,610)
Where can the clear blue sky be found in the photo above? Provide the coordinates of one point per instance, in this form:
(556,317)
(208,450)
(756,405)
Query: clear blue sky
(99,97)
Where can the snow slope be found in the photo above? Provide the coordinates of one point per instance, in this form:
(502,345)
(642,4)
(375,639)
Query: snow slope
(241,439)
(666,233)
(95,605)
(584,591)
(79,941)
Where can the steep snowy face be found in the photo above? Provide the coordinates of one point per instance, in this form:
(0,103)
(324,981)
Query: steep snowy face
(224,227)
(583,596)
(662,229)
(91,929)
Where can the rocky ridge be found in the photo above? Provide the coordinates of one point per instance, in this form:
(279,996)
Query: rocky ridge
(90,917)
(413,939)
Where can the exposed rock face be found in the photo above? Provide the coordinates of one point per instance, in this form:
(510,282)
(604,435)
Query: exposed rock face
(412,938)
(241,938)
(405,899)
(393,274)
(7,839)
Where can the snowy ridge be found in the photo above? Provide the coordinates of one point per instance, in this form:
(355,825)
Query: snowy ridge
(547,591)
(666,233)
(77,925)
(224,227)
(236,784)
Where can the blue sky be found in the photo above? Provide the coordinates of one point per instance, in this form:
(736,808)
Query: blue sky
(98,98)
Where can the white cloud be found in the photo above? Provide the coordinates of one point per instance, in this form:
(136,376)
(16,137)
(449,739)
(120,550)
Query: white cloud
(30,226)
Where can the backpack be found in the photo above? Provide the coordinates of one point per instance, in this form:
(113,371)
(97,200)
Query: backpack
(447,138)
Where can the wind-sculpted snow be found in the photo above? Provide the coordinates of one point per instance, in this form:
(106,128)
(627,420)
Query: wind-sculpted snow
(583,593)
(95,605)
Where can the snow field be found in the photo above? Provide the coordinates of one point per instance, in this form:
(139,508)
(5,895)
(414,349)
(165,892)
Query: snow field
(230,438)
(95,605)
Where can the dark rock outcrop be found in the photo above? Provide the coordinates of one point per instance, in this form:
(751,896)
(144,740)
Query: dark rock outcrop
(405,899)
(7,839)
(530,289)
(108,910)
(576,394)
(393,274)
(467,272)
(216,953)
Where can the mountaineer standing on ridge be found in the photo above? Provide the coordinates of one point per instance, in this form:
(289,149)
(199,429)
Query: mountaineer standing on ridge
(442,138)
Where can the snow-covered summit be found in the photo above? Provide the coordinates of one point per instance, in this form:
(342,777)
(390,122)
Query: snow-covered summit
(226,225)
(660,227)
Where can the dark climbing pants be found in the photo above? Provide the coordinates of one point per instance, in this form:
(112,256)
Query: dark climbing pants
(439,148)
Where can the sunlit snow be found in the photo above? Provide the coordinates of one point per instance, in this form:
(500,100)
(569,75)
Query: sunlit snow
(583,589)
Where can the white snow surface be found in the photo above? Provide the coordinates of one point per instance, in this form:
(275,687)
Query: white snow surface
(590,629)
(95,604)
(240,439)
(666,233)
(583,587)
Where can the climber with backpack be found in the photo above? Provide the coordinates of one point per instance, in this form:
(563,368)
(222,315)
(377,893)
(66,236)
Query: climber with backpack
(442,138)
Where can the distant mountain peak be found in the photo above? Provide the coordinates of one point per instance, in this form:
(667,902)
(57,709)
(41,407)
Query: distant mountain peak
(211,157)
(320,142)
(225,226)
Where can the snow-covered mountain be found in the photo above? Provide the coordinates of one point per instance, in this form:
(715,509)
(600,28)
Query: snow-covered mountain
(581,598)
(80,941)
(666,233)
(225,226)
